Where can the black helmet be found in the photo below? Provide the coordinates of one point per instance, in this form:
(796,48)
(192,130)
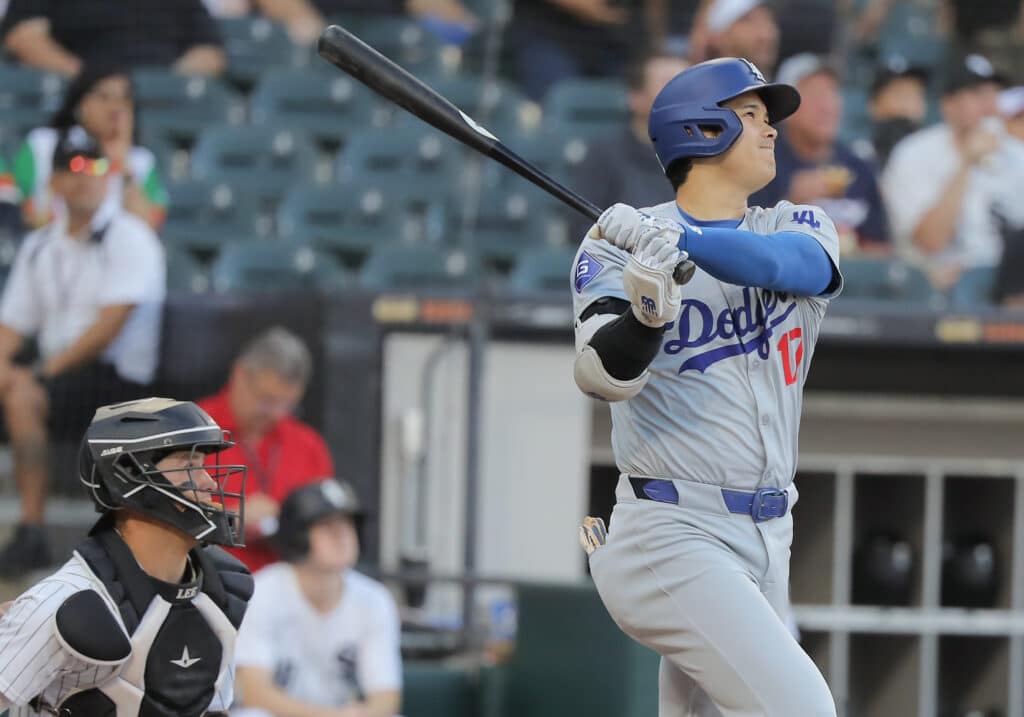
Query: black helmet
(118,457)
(305,506)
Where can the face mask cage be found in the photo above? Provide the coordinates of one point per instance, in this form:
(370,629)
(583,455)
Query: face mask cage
(197,497)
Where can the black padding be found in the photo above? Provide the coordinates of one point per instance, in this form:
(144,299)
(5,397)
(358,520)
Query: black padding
(605,305)
(86,625)
(227,581)
(89,703)
(626,346)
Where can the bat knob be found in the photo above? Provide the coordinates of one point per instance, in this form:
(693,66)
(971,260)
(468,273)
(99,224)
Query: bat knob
(684,272)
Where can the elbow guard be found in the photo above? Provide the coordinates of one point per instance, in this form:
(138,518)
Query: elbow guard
(596,382)
(591,376)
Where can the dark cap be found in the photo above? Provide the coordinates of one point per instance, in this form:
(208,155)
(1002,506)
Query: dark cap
(968,71)
(74,142)
(894,68)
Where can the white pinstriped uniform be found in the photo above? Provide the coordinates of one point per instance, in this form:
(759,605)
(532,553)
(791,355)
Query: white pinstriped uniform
(33,660)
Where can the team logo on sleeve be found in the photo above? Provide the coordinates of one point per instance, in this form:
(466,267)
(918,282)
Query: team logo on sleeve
(587,269)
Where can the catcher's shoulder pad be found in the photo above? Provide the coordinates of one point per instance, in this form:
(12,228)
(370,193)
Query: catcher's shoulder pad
(227,581)
(87,629)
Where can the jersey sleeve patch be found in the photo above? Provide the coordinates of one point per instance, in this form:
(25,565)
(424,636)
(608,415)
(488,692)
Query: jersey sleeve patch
(587,269)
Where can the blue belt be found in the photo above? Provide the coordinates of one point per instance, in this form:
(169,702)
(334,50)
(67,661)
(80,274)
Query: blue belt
(761,505)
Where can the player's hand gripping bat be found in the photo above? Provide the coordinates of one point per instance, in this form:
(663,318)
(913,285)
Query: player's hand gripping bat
(347,52)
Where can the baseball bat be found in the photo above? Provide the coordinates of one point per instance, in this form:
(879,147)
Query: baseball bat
(350,54)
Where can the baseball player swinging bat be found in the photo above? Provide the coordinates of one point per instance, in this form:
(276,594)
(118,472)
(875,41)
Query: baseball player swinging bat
(347,52)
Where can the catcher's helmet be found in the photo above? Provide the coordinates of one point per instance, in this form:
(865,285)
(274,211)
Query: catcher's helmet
(692,100)
(305,506)
(118,457)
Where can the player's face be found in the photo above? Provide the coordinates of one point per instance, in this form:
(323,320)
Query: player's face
(752,156)
(186,468)
(333,544)
(106,110)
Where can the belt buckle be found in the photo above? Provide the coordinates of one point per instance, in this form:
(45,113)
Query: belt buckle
(766,505)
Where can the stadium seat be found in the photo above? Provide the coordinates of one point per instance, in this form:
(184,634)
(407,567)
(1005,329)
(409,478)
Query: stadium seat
(185,275)
(408,266)
(974,289)
(543,269)
(177,108)
(219,206)
(274,266)
(911,31)
(438,690)
(555,151)
(410,150)
(590,106)
(28,98)
(887,281)
(507,223)
(329,108)
(259,161)
(255,45)
(403,40)
(496,105)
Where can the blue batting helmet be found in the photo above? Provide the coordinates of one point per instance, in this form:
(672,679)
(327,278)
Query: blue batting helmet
(692,100)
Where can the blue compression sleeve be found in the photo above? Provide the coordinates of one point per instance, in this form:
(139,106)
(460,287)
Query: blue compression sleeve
(787,261)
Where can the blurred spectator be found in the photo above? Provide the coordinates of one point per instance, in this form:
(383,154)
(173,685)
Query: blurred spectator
(994,28)
(89,286)
(555,40)
(897,106)
(736,28)
(62,36)
(942,182)
(268,380)
(101,100)
(319,639)
(1009,284)
(11,224)
(626,169)
(306,18)
(813,167)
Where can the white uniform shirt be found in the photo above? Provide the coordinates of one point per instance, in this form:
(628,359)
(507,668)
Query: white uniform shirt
(34,661)
(59,284)
(723,402)
(327,660)
(920,167)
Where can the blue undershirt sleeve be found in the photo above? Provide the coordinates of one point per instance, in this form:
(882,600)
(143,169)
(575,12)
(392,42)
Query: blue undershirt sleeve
(786,261)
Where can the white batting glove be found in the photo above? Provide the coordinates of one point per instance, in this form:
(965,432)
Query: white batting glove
(624,226)
(648,279)
(592,534)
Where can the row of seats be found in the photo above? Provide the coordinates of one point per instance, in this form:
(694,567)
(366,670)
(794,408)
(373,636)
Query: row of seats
(269,265)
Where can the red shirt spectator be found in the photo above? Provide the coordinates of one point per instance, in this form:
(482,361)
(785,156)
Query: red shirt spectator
(282,453)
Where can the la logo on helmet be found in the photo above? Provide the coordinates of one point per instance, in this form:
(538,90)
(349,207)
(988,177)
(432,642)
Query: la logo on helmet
(753,70)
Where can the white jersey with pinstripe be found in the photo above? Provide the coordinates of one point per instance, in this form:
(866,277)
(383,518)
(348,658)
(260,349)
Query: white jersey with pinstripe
(34,662)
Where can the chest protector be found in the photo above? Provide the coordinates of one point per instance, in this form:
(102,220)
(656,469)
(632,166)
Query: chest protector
(181,636)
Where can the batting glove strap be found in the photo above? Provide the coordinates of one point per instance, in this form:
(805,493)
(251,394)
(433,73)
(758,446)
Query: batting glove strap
(647,280)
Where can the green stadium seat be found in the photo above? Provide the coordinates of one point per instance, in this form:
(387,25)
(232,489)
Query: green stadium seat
(248,266)
(555,151)
(215,205)
(411,150)
(177,108)
(438,690)
(592,668)
(403,40)
(28,98)
(255,45)
(543,269)
(507,223)
(911,31)
(185,275)
(408,266)
(328,108)
(974,289)
(888,281)
(259,161)
(591,106)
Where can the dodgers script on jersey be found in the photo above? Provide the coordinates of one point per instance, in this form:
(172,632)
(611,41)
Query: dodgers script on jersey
(723,402)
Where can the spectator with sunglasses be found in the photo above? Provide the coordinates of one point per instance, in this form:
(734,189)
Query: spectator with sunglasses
(101,99)
(89,287)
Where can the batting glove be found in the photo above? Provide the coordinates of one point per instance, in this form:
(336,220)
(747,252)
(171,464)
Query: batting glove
(592,534)
(624,226)
(649,282)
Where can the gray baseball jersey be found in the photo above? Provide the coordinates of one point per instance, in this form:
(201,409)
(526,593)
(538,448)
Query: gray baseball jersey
(723,402)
